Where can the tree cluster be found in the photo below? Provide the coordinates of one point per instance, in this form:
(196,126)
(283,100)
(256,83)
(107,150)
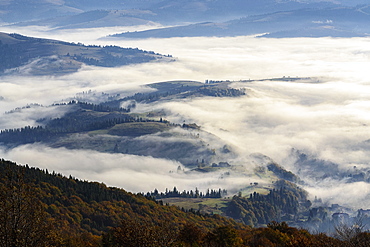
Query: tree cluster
(262,209)
(187,194)
(98,107)
(282,173)
(220,92)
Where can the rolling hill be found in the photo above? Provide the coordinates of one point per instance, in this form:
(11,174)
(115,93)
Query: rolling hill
(36,56)
(107,127)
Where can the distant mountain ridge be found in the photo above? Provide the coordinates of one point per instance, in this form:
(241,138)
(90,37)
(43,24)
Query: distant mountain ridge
(307,22)
(97,18)
(289,18)
(166,10)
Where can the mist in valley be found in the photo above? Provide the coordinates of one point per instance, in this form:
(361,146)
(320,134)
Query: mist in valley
(324,115)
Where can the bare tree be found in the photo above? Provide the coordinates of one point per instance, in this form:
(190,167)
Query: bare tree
(353,234)
(23,221)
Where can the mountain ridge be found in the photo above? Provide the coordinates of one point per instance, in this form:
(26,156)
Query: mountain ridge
(165,10)
(37,56)
(294,22)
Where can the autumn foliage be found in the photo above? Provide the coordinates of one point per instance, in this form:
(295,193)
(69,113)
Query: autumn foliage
(42,209)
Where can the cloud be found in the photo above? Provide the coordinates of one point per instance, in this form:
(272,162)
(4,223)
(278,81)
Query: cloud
(29,115)
(20,91)
(274,122)
(356,195)
(131,172)
(326,117)
(90,37)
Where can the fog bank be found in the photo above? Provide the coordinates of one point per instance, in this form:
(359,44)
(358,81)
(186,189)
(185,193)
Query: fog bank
(325,116)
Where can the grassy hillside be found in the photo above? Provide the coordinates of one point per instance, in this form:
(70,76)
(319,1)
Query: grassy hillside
(138,129)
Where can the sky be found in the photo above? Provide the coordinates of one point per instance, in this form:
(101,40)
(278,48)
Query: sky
(325,116)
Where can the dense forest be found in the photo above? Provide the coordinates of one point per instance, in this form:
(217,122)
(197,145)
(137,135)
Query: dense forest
(80,210)
(285,203)
(39,208)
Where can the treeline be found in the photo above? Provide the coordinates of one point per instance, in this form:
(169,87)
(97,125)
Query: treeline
(154,96)
(187,194)
(56,128)
(95,107)
(129,51)
(214,91)
(28,106)
(110,60)
(280,204)
(81,104)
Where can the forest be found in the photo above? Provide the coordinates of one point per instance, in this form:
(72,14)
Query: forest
(42,208)
(76,210)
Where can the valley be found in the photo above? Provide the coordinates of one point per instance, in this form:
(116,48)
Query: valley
(189,115)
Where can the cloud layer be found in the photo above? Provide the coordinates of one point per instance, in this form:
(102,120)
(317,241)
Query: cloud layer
(131,172)
(326,116)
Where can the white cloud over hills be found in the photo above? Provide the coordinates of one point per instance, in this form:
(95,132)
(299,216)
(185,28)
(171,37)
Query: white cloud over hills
(326,116)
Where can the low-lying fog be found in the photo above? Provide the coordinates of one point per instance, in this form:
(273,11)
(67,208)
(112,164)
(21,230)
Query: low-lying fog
(326,117)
